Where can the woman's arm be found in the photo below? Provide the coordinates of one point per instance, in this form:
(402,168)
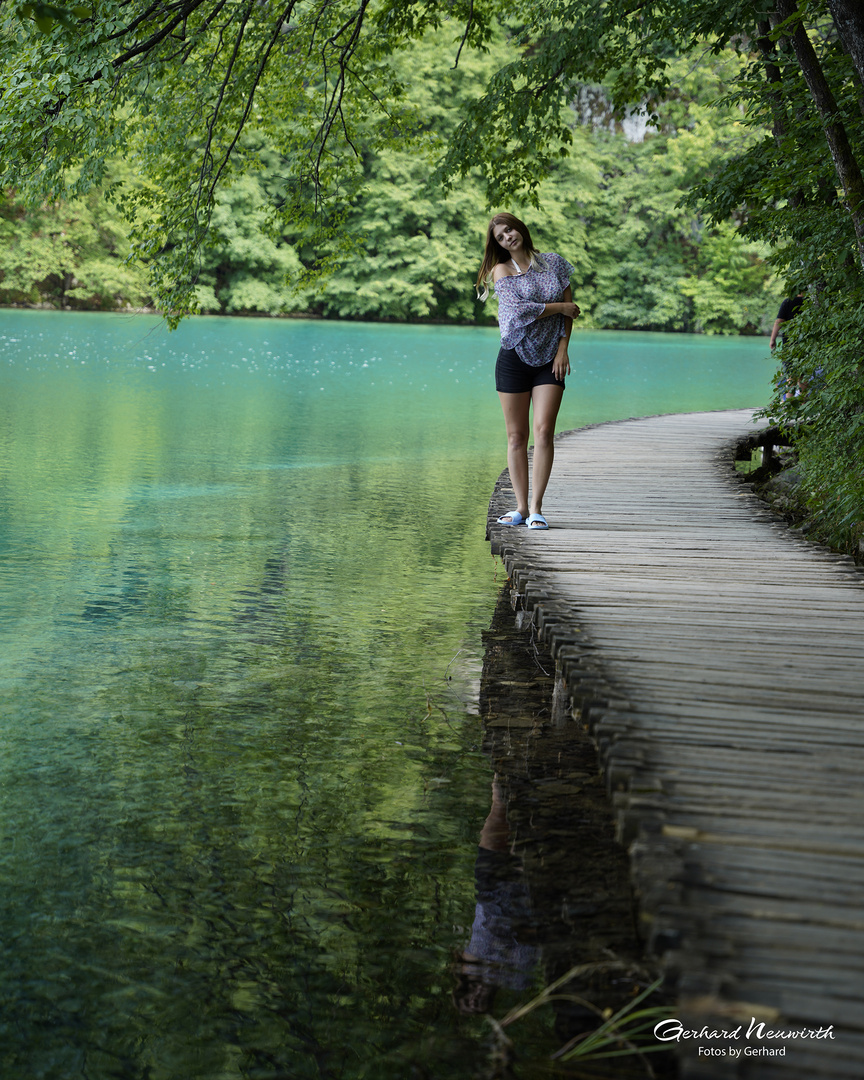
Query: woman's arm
(565,307)
(561,363)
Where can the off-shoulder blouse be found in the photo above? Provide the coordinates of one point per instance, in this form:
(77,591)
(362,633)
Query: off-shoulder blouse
(521,299)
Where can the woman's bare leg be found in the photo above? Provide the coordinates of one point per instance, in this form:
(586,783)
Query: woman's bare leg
(515,407)
(546,401)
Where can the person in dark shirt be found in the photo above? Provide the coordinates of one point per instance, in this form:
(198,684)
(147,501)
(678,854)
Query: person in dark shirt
(788,310)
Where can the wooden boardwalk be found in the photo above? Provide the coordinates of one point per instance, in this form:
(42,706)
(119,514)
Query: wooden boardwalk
(718,660)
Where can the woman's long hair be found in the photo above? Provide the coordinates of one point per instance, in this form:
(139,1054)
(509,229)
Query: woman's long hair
(495,254)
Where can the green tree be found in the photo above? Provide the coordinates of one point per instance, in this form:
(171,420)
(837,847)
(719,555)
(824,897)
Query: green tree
(799,190)
(655,264)
(68,254)
(171,88)
(243,267)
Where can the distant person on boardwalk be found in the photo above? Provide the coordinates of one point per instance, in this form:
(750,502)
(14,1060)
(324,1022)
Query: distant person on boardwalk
(788,310)
(535,314)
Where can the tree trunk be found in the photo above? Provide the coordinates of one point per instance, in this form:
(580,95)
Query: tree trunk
(848,16)
(848,170)
(774,80)
(778,102)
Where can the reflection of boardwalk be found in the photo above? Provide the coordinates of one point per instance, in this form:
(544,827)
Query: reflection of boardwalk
(719,662)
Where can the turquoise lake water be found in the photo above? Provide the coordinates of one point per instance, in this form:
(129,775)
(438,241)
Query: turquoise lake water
(243,580)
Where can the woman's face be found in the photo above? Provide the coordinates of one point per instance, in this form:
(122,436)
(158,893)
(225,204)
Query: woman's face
(509,237)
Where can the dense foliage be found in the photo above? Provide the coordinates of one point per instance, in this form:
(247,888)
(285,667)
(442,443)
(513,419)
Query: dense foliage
(68,254)
(613,208)
(801,190)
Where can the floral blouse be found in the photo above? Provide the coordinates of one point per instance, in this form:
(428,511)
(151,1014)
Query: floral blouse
(521,300)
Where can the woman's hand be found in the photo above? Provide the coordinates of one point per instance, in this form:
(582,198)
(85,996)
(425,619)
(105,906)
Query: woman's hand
(561,363)
(561,307)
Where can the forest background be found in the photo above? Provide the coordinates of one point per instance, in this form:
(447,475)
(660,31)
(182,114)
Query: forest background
(612,207)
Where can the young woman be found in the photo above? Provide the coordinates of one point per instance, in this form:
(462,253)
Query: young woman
(535,313)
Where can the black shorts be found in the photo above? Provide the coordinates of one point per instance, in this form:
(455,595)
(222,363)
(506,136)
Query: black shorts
(514,376)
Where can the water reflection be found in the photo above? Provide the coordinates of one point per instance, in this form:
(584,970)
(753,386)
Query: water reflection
(502,949)
(552,887)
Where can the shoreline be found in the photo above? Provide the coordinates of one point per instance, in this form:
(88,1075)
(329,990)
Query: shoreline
(485,324)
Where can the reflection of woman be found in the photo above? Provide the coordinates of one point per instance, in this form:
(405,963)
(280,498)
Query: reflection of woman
(498,953)
(535,313)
